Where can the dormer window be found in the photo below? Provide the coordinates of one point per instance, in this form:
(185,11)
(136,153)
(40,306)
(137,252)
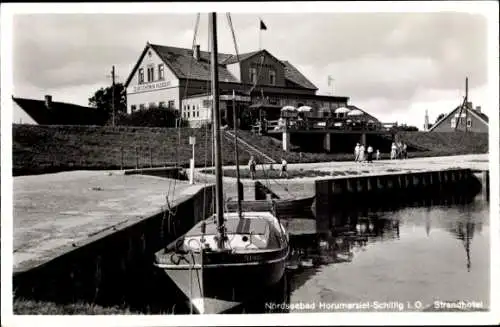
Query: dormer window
(272,77)
(141,75)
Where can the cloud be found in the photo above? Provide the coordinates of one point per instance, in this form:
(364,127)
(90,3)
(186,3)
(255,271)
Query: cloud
(384,60)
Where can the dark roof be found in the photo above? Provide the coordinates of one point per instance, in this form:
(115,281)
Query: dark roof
(184,65)
(356,108)
(243,56)
(294,75)
(480,114)
(60,113)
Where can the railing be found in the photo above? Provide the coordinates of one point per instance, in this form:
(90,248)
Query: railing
(323,124)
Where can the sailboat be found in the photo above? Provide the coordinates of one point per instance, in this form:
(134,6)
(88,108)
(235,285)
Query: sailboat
(223,260)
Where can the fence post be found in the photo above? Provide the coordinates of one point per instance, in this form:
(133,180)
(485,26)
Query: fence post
(121,158)
(150,157)
(166,156)
(136,158)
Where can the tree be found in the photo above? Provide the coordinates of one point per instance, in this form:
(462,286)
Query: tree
(405,128)
(102,100)
(439,117)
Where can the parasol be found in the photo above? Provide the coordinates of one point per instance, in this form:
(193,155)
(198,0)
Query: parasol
(304,109)
(342,110)
(355,112)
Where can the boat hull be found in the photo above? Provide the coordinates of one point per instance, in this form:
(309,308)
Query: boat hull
(282,207)
(215,285)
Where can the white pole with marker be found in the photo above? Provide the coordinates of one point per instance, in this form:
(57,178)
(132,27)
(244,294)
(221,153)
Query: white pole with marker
(192,141)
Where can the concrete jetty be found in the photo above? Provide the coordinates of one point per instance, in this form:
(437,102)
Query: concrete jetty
(55,213)
(305,186)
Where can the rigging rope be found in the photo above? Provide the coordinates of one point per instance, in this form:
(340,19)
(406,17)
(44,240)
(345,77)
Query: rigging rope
(172,212)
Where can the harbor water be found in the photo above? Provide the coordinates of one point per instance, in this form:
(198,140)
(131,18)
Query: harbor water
(427,257)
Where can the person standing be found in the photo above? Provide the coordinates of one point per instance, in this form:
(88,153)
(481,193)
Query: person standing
(405,153)
(362,153)
(393,151)
(369,154)
(251,166)
(356,152)
(283,171)
(377,155)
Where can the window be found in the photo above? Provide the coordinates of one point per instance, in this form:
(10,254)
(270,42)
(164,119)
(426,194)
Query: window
(161,72)
(273,100)
(151,74)
(189,114)
(272,77)
(141,106)
(141,75)
(469,122)
(133,108)
(253,75)
(453,122)
(171,104)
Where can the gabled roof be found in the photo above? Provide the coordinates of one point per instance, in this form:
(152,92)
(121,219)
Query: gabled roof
(294,75)
(481,116)
(184,65)
(60,113)
(242,56)
(356,108)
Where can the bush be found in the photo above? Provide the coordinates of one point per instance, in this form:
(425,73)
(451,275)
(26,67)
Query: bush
(151,117)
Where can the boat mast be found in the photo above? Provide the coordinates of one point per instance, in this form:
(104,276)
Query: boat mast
(219,205)
(235,123)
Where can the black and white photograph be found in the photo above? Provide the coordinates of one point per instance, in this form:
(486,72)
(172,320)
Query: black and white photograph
(301,163)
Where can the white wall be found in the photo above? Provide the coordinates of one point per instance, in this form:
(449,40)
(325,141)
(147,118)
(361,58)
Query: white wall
(156,91)
(19,116)
(196,105)
(234,69)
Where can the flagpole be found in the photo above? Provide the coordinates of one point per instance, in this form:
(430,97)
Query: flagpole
(260,38)
(260,33)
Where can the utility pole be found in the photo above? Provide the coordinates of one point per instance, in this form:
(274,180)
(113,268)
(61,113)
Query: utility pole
(113,93)
(466,102)
(113,82)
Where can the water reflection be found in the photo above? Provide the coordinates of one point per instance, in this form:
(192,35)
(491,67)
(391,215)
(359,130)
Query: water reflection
(415,246)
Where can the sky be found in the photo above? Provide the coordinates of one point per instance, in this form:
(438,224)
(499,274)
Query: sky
(393,65)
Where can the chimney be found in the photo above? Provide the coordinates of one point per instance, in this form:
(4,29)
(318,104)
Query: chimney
(478,108)
(48,101)
(196,52)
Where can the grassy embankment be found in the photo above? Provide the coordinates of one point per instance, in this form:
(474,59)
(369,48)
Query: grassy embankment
(43,149)
(31,307)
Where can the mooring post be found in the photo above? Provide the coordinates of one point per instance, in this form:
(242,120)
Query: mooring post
(136,158)
(121,158)
(485,184)
(150,157)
